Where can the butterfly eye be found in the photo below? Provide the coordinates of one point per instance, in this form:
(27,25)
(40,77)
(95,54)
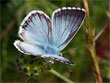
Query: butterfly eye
(60,53)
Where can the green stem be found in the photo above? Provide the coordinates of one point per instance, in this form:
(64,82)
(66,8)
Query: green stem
(60,76)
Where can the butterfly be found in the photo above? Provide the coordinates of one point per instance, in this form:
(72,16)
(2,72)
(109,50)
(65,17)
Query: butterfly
(45,37)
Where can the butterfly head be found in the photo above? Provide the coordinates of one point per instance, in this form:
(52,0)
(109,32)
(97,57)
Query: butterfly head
(60,54)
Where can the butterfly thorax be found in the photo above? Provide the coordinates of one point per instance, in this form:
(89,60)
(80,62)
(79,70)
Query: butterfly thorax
(51,50)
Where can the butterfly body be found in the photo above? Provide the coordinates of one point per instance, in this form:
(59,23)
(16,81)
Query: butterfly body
(51,50)
(46,37)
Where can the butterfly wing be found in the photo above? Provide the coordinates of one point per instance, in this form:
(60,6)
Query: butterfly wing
(58,58)
(66,22)
(30,49)
(36,31)
(36,28)
(38,50)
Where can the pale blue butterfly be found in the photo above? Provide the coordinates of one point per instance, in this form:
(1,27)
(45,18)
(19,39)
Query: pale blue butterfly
(45,37)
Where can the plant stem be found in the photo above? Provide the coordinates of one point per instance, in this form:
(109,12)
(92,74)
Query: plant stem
(91,42)
(93,54)
(60,76)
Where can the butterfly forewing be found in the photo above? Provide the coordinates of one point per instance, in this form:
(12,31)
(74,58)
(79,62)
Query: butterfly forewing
(36,31)
(36,28)
(66,22)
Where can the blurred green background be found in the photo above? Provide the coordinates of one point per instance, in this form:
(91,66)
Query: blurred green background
(13,12)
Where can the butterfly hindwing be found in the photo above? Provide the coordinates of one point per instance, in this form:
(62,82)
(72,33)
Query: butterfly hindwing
(59,58)
(66,22)
(33,49)
(27,48)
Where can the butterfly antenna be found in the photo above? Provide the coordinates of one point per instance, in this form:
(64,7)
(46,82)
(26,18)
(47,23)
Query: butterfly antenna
(69,50)
(64,52)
